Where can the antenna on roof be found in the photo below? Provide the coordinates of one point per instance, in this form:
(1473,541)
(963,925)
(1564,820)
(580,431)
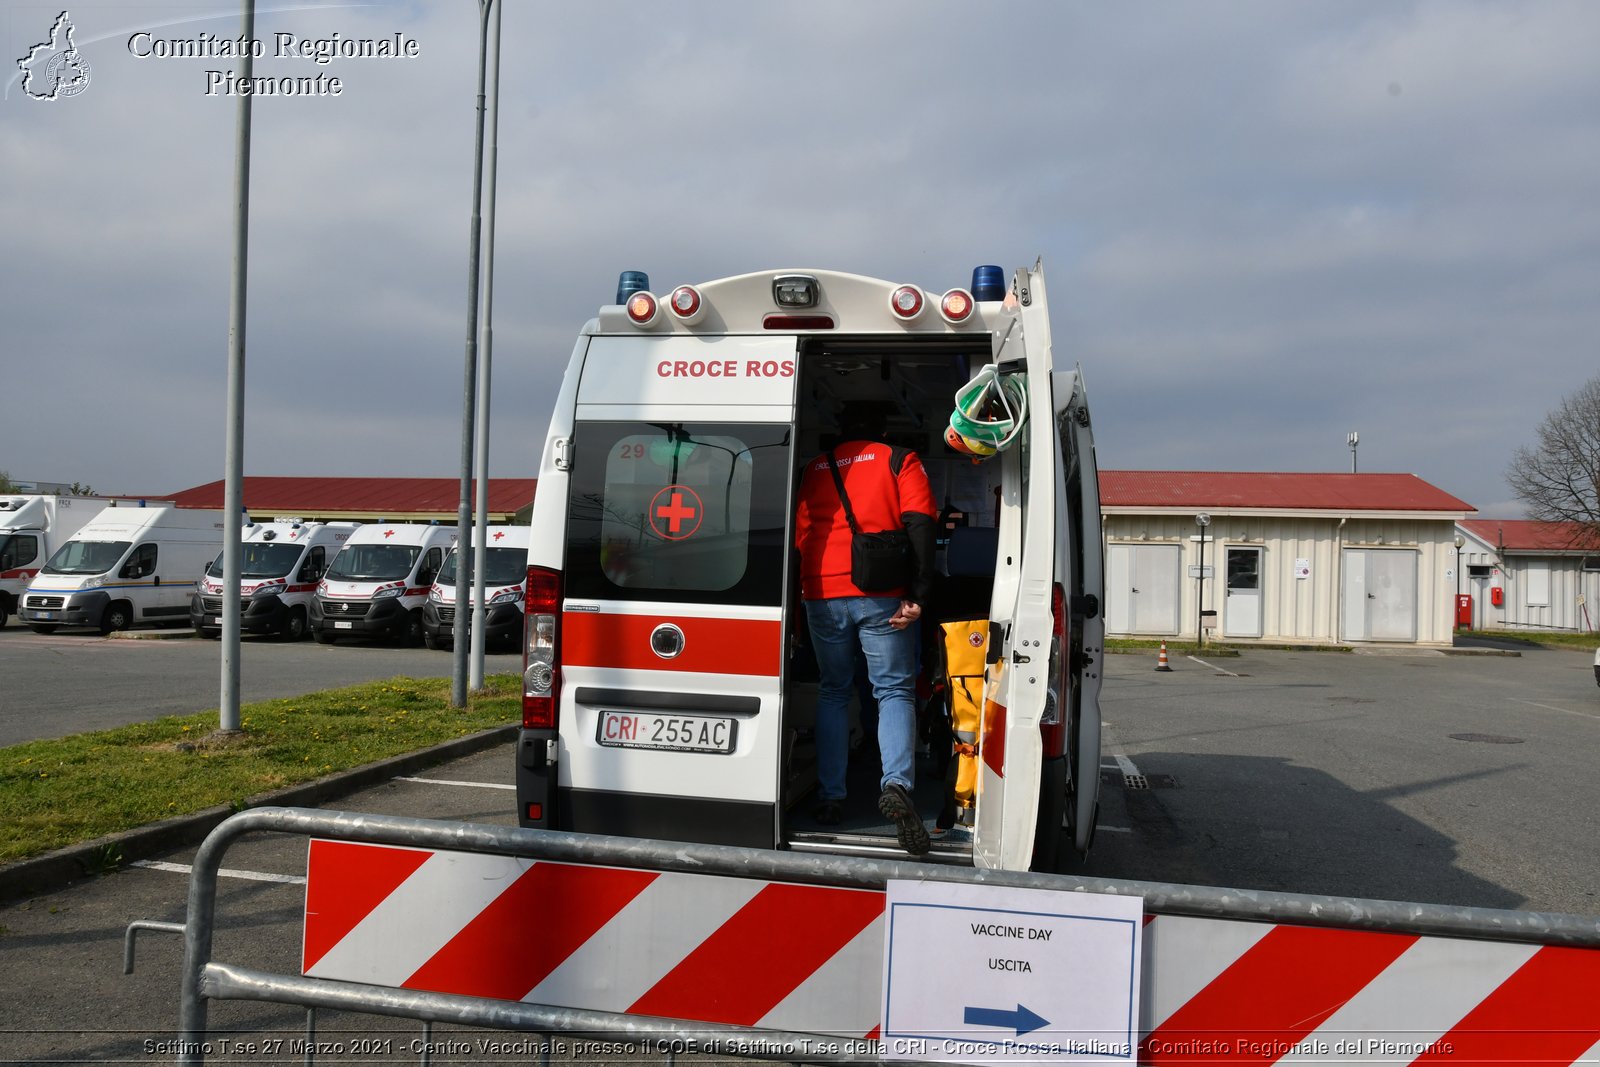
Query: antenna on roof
(1352,440)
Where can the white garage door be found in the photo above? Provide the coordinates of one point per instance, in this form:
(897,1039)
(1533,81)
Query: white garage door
(1380,594)
(1142,589)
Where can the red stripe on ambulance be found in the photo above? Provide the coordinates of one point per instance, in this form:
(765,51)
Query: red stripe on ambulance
(710,646)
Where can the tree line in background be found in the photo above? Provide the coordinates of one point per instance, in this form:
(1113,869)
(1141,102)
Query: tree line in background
(76,489)
(1558,478)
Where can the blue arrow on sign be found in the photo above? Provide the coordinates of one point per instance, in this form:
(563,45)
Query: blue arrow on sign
(1022,1020)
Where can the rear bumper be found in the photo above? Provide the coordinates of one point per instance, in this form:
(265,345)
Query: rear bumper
(664,818)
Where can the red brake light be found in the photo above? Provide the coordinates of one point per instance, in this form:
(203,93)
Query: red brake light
(797,322)
(956,306)
(541,673)
(906,302)
(642,308)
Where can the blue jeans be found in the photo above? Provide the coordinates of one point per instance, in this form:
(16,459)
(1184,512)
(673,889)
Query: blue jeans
(839,627)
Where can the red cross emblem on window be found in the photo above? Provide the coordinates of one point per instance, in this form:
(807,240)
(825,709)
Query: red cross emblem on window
(675,512)
(499,534)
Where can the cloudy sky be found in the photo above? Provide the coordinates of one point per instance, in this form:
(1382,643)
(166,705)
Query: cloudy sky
(1265,224)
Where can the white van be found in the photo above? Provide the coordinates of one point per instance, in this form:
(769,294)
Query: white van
(377,584)
(668,691)
(505,576)
(32,527)
(124,567)
(280,564)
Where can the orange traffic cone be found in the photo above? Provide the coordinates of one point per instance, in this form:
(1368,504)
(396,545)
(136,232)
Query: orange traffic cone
(1162,664)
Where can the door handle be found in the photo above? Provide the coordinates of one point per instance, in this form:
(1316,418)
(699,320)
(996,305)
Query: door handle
(1136,589)
(1372,596)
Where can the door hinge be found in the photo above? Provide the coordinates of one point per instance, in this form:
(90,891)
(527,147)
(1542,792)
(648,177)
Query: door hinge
(563,453)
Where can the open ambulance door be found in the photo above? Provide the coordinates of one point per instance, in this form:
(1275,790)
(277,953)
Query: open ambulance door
(1081,562)
(1011,751)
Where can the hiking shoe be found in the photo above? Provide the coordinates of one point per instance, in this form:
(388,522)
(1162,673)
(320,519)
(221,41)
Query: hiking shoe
(896,806)
(828,813)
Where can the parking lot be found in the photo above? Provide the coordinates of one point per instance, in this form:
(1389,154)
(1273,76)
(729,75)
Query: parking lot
(1412,776)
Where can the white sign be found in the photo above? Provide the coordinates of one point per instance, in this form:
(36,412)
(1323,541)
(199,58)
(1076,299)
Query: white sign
(1208,571)
(989,974)
(1302,568)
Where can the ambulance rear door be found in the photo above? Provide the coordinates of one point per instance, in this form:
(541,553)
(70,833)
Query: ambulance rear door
(1020,630)
(671,624)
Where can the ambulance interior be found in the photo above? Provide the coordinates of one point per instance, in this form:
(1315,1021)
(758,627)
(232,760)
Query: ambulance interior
(915,381)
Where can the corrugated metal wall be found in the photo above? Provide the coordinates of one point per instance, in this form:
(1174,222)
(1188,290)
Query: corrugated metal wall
(1295,608)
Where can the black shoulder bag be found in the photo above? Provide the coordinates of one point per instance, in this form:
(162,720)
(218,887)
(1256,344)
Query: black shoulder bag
(879,562)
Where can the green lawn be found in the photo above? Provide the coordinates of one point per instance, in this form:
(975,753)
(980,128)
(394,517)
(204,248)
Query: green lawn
(60,792)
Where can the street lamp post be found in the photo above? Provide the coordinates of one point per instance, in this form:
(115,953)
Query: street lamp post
(1460,542)
(1201,520)
(459,648)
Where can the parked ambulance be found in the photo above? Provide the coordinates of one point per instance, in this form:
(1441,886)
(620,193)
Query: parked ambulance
(668,691)
(124,567)
(280,564)
(505,576)
(31,528)
(377,584)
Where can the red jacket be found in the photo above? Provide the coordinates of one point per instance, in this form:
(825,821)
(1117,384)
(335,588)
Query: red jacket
(888,490)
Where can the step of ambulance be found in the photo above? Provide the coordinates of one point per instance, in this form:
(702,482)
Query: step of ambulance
(862,829)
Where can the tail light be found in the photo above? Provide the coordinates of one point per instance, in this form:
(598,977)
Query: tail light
(1053,721)
(956,305)
(685,303)
(907,302)
(541,673)
(642,308)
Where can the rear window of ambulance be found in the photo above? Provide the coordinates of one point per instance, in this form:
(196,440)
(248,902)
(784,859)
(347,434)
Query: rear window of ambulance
(679,511)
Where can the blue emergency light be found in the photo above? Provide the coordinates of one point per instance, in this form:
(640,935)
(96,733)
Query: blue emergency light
(988,282)
(630,282)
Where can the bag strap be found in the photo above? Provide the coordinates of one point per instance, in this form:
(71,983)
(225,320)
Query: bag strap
(844,498)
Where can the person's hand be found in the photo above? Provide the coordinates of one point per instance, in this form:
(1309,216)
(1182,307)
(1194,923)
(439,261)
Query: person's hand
(909,612)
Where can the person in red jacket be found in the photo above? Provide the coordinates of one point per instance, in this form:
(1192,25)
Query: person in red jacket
(888,490)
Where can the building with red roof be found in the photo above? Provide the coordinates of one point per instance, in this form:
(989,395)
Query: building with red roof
(1317,558)
(1523,574)
(510,500)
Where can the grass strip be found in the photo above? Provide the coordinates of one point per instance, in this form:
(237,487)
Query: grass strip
(1541,638)
(62,791)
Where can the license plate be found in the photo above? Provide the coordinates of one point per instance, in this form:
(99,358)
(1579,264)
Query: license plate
(344,625)
(674,733)
(46,615)
(214,620)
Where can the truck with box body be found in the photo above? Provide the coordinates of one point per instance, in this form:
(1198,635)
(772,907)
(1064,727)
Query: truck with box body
(667,691)
(32,527)
(280,564)
(123,568)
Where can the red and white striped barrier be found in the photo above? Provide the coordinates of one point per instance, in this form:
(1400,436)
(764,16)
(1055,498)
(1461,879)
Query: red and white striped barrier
(779,956)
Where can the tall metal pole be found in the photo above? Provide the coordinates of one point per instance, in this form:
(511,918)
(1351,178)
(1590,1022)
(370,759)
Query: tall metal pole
(486,356)
(233,485)
(458,673)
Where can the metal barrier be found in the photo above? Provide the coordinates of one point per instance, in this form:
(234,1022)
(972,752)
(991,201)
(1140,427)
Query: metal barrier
(1179,906)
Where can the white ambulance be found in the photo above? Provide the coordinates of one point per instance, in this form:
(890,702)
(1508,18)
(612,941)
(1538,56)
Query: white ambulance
(280,564)
(124,567)
(505,576)
(377,584)
(668,692)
